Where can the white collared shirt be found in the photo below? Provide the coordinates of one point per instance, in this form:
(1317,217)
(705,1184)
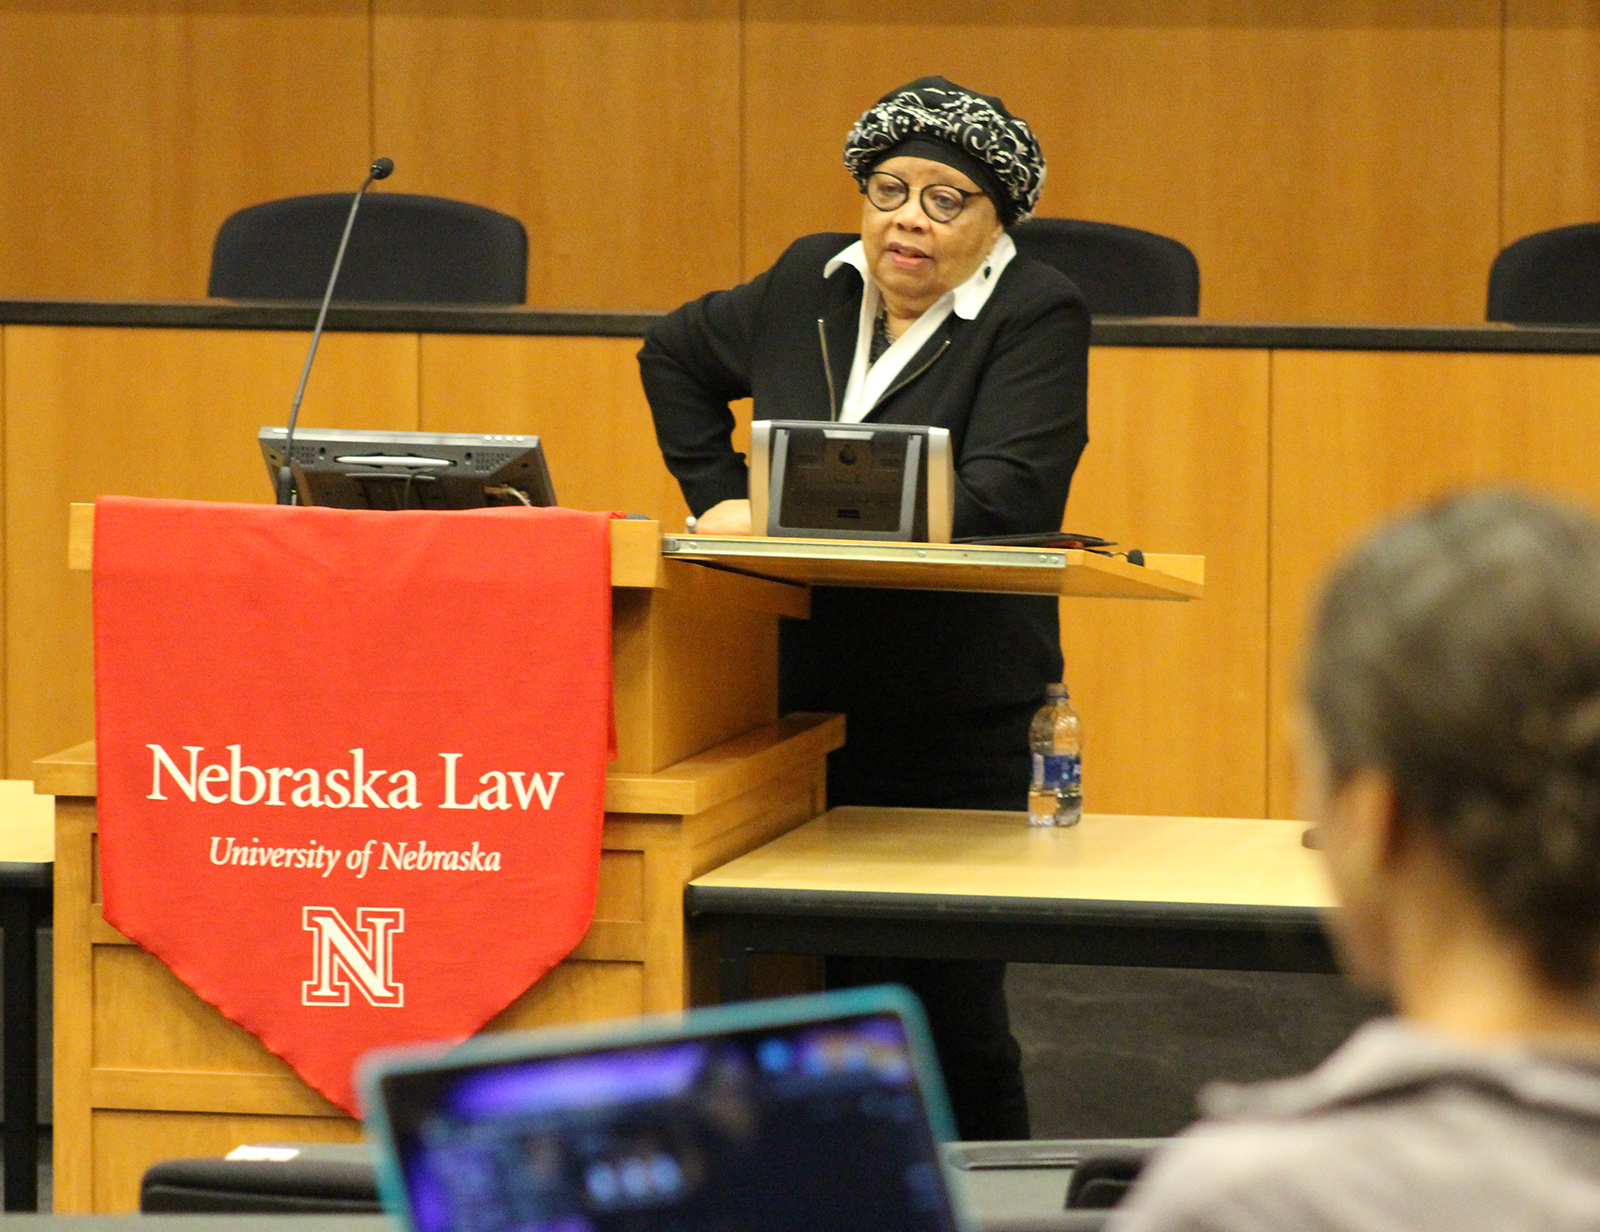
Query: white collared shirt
(868,381)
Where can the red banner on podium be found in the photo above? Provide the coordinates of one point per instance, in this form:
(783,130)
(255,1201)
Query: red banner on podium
(351,764)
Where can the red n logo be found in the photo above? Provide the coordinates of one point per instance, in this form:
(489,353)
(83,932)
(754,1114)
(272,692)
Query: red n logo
(365,954)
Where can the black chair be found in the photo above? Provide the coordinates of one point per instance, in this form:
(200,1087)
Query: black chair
(1122,271)
(1548,278)
(1103,1178)
(26,897)
(340,1180)
(260,1187)
(404,249)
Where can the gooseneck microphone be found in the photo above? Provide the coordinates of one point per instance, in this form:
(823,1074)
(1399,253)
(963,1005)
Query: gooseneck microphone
(286,494)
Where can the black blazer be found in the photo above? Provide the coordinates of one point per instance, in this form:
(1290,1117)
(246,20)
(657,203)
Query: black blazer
(1011,387)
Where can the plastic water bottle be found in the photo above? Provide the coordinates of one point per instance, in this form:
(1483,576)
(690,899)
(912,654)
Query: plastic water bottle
(1055,797)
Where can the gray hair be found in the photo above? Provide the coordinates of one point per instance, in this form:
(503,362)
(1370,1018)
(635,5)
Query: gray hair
(1459,651)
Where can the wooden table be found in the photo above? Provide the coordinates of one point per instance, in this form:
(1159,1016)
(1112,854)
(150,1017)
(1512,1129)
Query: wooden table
(1209,892)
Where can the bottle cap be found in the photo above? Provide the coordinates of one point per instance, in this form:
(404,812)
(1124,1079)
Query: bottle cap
(1055,690)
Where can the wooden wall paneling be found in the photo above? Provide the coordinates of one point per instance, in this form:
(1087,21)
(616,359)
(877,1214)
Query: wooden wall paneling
(169,413)
(757,817)
(619,893)
(1359,437)
(580,395)
(133,130)
(644,852)
(1334,160)
(1173,695)
(127,1143)
(678,691)
(576,992)
(129,1090)
(147,1019)
(1552,116)
(610,129)
(714,837)
(72,1008)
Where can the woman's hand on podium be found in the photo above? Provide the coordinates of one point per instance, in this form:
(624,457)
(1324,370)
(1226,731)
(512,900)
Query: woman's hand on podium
(730,517)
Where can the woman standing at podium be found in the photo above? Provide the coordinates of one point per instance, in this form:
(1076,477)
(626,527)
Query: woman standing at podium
(931,317)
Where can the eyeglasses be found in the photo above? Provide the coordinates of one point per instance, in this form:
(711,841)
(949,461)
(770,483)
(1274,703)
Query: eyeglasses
(940,202)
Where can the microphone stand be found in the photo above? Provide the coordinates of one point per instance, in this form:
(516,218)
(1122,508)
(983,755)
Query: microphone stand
(286,493)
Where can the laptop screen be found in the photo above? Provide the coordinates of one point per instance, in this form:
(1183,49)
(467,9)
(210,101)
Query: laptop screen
(798,1124)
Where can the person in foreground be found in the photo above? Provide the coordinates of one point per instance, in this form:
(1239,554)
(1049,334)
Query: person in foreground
(1452,748)
(928,316)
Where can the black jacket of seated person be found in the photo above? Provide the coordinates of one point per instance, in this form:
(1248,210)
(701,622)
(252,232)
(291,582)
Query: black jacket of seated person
(938,688)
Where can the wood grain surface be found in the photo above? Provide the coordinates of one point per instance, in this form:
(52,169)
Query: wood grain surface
(168,413)
(27,824)
(1344,159)
(610,129)
(1267,464)
(1173,695)
(1104,857)
(580,395)
(1552,124)
(1072,572)
(1358,438)
(133,131)
(1324,161)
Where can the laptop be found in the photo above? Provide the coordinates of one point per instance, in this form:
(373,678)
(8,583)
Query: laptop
(817,1112)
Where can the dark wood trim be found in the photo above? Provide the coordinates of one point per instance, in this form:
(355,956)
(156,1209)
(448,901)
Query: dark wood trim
(354,318)
(1108,331)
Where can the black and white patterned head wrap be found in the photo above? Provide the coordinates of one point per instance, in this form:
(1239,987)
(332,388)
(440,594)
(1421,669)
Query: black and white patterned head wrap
(974,133)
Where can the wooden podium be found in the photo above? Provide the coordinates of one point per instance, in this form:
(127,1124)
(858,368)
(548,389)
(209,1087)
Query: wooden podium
(706,771)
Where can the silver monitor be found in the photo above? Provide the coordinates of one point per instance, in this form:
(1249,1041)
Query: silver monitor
(851,481)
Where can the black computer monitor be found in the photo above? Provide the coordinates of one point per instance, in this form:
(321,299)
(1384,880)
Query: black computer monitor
(348,468)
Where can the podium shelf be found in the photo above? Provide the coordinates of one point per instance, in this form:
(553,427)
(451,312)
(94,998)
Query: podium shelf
(639,549)
(946,566)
